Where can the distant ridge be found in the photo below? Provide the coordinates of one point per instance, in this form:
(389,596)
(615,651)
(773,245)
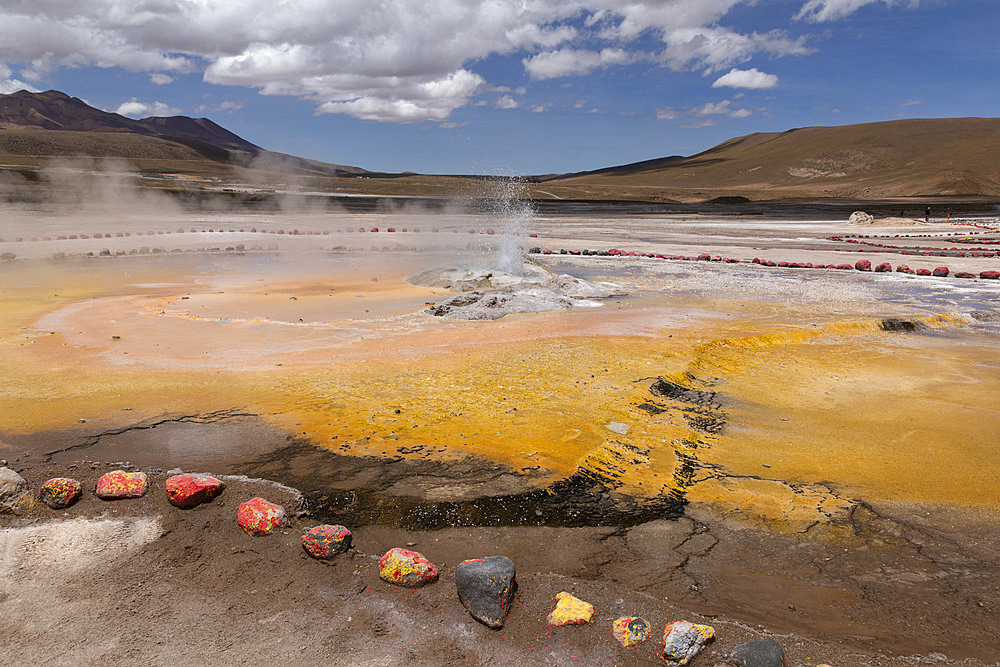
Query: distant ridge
(901,158)
(55,124)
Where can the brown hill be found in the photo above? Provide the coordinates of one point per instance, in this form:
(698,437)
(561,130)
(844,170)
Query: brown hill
(903,158)
(39,126)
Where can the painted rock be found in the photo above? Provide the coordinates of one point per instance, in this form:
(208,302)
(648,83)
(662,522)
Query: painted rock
(326,541)
(941,271)
(989,275)
(14,494)
(630,630)
(570,610)
(759,653)
(486,587)
(406,568)
(903,268)
(885,267)
(119,484)
(188,490)
(60,492)
(923,272)
(259,517)
(682,640)
(863,265)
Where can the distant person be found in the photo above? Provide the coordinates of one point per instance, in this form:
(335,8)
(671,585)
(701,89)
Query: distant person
(927,214)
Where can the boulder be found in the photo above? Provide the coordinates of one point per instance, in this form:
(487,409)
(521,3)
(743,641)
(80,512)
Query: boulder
(885,267)
(14,494)
(759,653)
(118,484)
(189,490)
(863,265)
(630,631)
(486,587)
(406,568)
(326,541)
(989,275)
(682,640)
(570,610)
(941,272)
(60,492)
(259,517)
(861,218)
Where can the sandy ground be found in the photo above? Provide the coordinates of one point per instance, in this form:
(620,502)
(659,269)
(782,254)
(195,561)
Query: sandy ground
(819,477)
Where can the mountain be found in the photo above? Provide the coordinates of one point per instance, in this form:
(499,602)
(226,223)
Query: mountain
(901,158)
(53,124)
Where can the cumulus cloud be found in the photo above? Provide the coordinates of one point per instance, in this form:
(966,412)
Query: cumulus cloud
(819,11)
(387,60)
(564,62)
(506,102)
(667,114)
(746,78)
(136,109)
(723,108)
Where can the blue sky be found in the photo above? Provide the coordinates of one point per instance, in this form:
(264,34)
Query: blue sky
(508,86)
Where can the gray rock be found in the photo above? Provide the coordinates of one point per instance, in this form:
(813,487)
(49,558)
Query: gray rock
(14,494)
(486,587)
(759,653)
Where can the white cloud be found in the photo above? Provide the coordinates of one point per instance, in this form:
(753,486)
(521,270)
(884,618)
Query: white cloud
(746,78)
(540,108)
(452,125)
(161,79)
(911,103)
(136,109)
(819,11)
(712,108)
(667,114)
(708,122)
(741,113)
(506,102)
(390,60)
(564,62)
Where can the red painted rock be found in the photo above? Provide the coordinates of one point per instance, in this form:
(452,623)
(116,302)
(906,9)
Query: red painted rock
(259,517)
(326,541)
(406,568)
(964,274)
(941,271)
(119,484)
(883,268)
(989,275)
(844,267)
(863,265)
(60,492)
(903,268)
(923,272)
(188,490)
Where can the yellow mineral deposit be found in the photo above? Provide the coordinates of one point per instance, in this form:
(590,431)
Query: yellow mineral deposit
(814,409)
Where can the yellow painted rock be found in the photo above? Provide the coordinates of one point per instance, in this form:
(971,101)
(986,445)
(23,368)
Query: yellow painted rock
(630,630)
(119,484)
(571,610)
(406,568)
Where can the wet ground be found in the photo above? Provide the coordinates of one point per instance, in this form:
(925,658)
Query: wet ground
(811,452)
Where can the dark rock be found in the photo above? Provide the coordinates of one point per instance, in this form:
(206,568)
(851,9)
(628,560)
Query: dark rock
(486,587)
(759,653)
(630,631)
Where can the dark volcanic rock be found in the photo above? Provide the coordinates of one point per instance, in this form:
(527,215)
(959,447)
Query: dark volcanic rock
(759,653)
(486,587)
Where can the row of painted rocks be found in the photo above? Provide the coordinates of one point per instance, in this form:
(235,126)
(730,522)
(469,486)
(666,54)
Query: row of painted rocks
(485,586)
(251,230)
(860,265)
(185,490)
